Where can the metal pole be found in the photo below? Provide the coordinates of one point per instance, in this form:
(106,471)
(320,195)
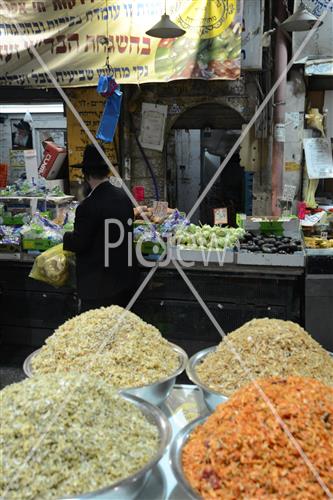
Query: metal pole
(280,63)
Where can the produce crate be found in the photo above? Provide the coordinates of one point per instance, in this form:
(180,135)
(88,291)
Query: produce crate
(9,247)
(14,220)
(203,256)
(296,259)
(289,227)
(38,244)
(280,226)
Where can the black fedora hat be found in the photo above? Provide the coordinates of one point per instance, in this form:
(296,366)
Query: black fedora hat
(22,125)
(91,158)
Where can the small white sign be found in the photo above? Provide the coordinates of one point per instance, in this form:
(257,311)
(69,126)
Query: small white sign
(160,209)
(31,165)
(318,155)
(289,192)
(280,132)
(220,216)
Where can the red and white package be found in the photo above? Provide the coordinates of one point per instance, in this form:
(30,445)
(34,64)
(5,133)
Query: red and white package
(54,157)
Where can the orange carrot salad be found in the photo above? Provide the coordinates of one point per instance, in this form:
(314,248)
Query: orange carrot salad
(242,452)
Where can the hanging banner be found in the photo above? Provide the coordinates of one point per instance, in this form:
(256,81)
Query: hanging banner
(74,37)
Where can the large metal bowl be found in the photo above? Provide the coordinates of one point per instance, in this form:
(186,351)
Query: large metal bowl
(176,457)
(212,398)
(153,393)
(130,487)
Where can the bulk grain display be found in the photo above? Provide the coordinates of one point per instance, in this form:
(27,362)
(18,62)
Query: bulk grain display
(241,451)
(112,343)
(97,438)
(266,347)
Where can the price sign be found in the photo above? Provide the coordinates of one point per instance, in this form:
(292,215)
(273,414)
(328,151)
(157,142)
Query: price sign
(160,209)
(289,192)
(220,216)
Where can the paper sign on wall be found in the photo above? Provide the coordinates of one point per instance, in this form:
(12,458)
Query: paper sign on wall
(318,155)
(153,118)
(31,165)
(289,192)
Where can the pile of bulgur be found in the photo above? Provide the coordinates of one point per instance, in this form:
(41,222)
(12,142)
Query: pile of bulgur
(112,343)
(266,348)
(87,442)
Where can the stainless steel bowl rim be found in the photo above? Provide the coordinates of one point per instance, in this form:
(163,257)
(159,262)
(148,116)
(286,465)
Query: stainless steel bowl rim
(181,353)
(165,433)
(176,450)
(192,375)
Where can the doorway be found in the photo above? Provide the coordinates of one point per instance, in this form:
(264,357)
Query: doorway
(203,136)
(198,155)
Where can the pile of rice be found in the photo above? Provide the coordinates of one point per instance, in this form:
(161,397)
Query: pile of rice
(112,343)
(66,435)
(266,348)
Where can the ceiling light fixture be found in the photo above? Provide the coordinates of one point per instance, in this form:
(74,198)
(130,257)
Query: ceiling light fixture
(165,28)
(301,20)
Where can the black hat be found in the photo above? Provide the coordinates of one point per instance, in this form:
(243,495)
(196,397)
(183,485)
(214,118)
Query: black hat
(22,125)
(91,157)
(93,164)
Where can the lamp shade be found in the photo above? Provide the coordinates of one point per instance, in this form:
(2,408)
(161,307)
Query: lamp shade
(301,20)
(165,28)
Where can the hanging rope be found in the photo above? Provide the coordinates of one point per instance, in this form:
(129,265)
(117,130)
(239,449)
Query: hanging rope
(107,62)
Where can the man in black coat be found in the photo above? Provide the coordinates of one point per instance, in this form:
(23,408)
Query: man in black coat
(104,275)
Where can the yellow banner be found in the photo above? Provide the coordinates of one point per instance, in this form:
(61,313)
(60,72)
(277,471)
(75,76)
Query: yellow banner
(74,37)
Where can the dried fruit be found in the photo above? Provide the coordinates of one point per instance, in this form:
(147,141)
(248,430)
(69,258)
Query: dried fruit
(241,451)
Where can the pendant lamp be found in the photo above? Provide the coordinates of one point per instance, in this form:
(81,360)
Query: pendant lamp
(301,20)
(165,28)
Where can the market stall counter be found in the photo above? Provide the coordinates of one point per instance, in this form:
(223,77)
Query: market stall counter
(32,310)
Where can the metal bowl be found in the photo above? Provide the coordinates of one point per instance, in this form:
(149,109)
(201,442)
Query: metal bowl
(153,393)
(212,398)
(176,457)
(131,486)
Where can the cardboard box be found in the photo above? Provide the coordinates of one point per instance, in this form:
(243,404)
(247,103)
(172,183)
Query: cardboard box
(37,244)
(53,159)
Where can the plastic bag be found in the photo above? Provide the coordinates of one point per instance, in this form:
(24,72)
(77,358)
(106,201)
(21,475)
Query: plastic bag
(54,266)
(110,117)
(106,85)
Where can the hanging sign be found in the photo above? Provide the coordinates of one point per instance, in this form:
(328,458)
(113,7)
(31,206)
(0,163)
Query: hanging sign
(74,38)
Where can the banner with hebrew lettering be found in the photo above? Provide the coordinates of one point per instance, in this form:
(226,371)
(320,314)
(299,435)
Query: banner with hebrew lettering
(74,37)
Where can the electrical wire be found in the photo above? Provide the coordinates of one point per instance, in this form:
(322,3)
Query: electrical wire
(142,151)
